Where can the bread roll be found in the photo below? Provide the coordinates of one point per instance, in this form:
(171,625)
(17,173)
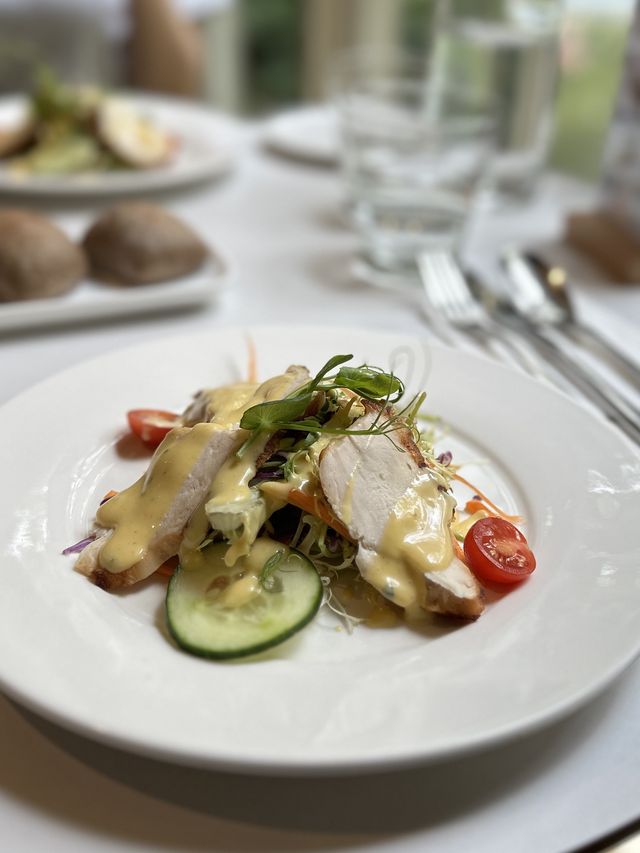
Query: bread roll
(36,259)
(140,243)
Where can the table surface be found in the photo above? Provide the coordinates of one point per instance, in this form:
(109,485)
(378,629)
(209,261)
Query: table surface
(279,224)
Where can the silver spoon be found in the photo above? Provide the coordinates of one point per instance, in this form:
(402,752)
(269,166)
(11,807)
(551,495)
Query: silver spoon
(613,405)
(466,303)
(547,302)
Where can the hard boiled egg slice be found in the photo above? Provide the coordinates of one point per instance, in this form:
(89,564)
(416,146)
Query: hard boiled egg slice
(13,140)
(133,137)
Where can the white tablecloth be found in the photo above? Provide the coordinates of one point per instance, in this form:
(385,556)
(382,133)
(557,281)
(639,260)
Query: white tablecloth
(278,224)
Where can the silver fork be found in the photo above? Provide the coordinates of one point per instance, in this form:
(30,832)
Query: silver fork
(541,294)
(451,297)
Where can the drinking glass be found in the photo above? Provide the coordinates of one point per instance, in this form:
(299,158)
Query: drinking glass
(506,51)
(413,156)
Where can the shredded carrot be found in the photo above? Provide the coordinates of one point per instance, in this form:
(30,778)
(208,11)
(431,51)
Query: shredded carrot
(457,550)
(110,494)
(485,500)
(475,506)
(168,567)
(316,506)
(252,368)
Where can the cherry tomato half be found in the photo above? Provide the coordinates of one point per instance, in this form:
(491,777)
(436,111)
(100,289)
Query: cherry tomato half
(497,552)
(151,425)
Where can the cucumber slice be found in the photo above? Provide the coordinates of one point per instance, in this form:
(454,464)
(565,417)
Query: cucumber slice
(219,612)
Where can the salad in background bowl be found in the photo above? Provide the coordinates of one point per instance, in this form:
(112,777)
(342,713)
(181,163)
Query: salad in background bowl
(81,130)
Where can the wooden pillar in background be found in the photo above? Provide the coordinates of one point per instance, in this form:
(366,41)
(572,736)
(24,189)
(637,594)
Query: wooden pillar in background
(332,26)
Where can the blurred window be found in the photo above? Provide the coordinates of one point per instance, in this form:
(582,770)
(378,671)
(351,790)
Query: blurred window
(280,43)
(262,55)
(592,47)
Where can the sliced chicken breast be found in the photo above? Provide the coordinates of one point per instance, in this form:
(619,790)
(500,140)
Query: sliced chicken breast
(363,478)
(161,533)
(141,527)
(454,590)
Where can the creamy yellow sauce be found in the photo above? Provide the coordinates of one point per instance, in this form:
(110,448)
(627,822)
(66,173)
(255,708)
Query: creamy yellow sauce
(305,476)
(231,505)
(135,513)
(415,540)
(227,404)
(362,601)
(247,585)
(244,583)
(195,532)
(346,510)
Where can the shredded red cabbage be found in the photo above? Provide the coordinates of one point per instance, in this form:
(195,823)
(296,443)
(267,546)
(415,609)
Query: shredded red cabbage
(79,546)
(332,540)
(445,458)
(263,476)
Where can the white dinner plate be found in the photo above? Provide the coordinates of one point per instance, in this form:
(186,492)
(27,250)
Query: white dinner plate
(206,143)
(305,133)
(327,701)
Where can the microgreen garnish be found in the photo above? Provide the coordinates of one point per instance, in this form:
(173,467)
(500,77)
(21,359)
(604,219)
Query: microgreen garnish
(275,414)
(288,469)
(266,578)
(272,415)
(371,383)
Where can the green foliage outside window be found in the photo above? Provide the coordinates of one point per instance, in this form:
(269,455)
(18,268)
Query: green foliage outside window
(593,46)
(587,92)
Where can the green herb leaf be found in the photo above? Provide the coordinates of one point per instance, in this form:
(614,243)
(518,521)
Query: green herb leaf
(267,417)
(370,382)
(309,439)
(333,362)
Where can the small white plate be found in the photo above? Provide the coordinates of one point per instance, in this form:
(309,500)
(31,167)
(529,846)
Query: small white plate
(206,142)
(327,701)
(92,300)
(305,133)
(97,301)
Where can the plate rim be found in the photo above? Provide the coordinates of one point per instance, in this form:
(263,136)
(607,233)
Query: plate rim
(275,141)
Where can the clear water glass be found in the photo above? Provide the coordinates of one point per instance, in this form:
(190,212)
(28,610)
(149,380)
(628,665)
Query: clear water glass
(506,52)
(413,159)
